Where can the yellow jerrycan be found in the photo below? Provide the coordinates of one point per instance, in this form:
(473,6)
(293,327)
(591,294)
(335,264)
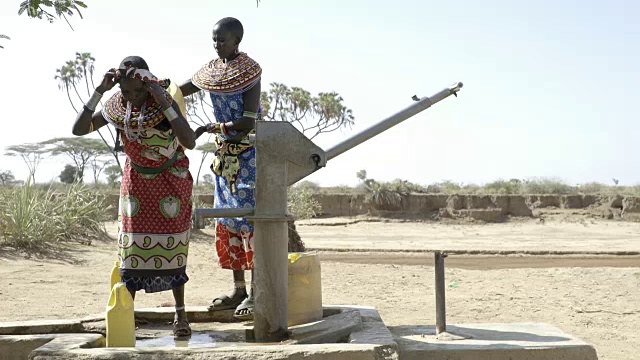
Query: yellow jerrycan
(177,96)
(305,289)
(121,328)
(115,275)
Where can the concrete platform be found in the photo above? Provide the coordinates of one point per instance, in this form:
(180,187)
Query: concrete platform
(20,347)
(525,341)
(345,332)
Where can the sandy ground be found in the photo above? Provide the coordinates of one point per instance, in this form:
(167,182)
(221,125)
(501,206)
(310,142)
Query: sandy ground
(592,297)
(554,235)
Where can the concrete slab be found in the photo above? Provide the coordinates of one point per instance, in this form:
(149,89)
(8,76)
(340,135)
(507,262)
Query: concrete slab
(374,332)
(274,352)
(330,329)
(522,341)
(334,328)
(19,347)
(33,327)
(196,314)
(361,328)
(95,323)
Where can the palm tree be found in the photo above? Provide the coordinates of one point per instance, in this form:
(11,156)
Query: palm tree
(84,66)
(64,78)
(70,74)
(4,37)
(84,62)
(74,76)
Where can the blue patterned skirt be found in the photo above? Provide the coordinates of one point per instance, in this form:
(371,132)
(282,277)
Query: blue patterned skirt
(155,284)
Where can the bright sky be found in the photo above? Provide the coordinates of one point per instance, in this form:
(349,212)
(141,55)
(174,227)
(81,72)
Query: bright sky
(551,87)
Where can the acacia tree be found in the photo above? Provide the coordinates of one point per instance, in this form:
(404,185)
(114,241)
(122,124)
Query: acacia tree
(41,9)
(206,149)
(45,9)
(113,173)
(80,150)
(7,178)
(199,109)
(312,115)
(98,164)
(31,154)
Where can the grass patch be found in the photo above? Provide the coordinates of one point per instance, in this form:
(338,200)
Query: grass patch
(33,217)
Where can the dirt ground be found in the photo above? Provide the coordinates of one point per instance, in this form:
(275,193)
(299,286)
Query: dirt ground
(594,297)
(565,233)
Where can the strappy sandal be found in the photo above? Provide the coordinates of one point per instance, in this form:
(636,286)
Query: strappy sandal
(225,302)
(181,328)
(244,311)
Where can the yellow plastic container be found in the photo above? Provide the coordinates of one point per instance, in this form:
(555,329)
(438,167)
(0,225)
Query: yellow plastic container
(305,289)
(176,94)
(121,327)
(115,275)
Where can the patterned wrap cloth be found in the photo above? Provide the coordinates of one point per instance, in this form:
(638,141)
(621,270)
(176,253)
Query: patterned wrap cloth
(155,198)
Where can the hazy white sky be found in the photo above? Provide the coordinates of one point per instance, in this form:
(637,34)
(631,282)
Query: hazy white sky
(551,87)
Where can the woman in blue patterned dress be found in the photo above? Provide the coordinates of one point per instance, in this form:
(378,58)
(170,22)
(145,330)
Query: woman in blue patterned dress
(233,82)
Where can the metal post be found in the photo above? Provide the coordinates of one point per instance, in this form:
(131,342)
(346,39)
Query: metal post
(224,213)
(206,213)
(391,121)
(441,315)
(270,239)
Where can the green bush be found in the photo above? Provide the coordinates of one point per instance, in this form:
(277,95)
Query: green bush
(547,186)
(340,189)
(313,187)
(301,203)
(593,188)
(472,189)
(513,186)
(406,187)
(633,190)
(444,187)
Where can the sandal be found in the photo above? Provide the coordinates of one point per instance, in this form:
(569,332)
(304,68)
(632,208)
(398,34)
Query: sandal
(181,328)
(244,311)
(224,302)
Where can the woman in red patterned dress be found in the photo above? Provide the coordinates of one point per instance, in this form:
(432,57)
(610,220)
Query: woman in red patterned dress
(155,195)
